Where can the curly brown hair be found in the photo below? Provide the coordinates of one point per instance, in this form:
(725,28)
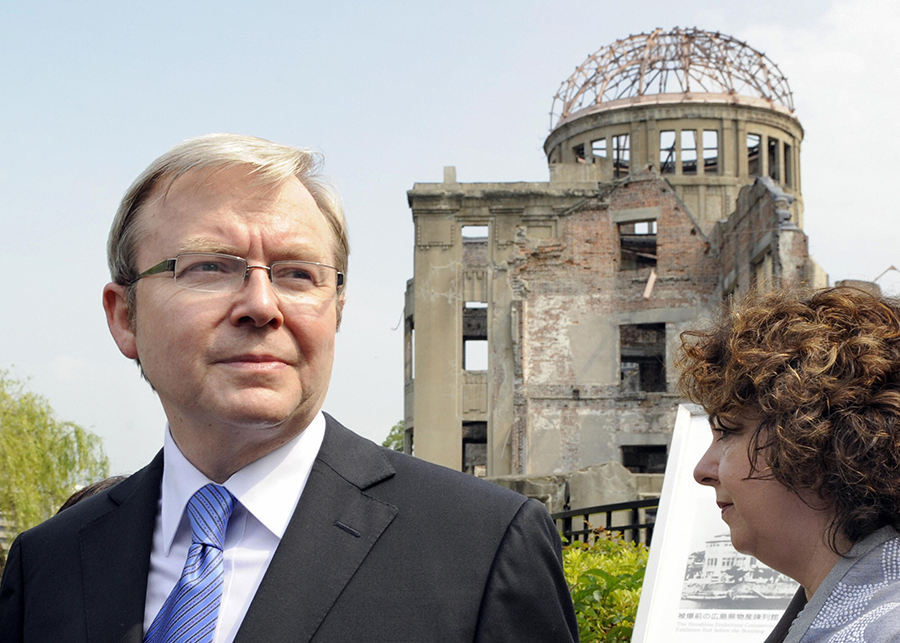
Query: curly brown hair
(821,370)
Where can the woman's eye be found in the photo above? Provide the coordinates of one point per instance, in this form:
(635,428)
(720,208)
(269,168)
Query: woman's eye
(721,430)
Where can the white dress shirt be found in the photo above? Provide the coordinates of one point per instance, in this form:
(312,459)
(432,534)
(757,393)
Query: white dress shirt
(267,491)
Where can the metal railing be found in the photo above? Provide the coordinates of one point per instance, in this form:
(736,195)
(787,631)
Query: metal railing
(640,513)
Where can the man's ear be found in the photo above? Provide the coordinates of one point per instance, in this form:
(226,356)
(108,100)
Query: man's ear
(118,318)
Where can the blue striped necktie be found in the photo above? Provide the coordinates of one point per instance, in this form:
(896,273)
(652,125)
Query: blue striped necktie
(190,612)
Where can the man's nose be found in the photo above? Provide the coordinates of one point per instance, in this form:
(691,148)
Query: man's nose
(257,301)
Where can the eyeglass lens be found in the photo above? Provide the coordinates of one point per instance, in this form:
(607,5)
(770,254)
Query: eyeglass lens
(217,273)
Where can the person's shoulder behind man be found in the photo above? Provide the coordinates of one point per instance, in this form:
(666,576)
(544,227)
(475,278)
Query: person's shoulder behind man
(73,516)
(48,560)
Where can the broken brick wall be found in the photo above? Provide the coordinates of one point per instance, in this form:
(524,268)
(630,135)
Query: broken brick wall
(574,300)
(760,245)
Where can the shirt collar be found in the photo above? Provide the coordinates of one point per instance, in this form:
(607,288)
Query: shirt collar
(268,488)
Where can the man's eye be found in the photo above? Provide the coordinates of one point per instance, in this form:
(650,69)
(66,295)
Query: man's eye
(294,273)
(207,266)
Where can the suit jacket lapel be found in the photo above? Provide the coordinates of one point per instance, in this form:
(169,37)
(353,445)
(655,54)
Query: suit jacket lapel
(332,530)
(115,558)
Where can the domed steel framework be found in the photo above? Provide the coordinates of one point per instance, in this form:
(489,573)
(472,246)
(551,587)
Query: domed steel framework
(673,65)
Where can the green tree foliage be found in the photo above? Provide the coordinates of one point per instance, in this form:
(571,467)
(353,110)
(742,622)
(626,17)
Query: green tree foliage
(394,439)
(43,460)
(605,579)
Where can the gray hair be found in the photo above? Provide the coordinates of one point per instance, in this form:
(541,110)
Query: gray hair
(270,164)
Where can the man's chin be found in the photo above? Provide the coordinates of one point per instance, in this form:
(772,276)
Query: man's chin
(266,420)
(228,410)
(263,408)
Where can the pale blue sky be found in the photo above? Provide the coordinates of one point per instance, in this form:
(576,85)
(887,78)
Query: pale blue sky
(391,92)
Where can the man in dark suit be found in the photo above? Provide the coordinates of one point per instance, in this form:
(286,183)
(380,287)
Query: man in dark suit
(263,519)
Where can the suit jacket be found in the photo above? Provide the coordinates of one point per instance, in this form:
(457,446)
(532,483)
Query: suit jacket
(381,548)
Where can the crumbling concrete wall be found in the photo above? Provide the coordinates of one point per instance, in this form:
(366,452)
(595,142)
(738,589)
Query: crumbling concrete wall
(601,484)
(761,246)
(572,297)
(443,394)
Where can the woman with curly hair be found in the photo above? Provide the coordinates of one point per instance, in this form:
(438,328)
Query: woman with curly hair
(803,395)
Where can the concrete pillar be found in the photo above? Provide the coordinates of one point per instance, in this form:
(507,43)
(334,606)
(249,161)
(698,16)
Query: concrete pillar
(438,316)
(653,142)
(740,148)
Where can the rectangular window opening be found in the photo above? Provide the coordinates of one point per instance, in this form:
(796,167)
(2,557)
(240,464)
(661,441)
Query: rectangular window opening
(710,151)
(409,441)
(474,232)
(643,357)
(774,170)
(476,355)
(578,150)
(637,240)
(598,148)
(667,152)
(409,350)
(688,151)
(621,155)
(474,445)
(475,335)
(788,175)
(645,458)
(754,168)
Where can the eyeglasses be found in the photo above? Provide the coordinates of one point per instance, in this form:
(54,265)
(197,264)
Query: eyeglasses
(214,272)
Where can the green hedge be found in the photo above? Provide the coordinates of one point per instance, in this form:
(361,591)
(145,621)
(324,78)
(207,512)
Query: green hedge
(605,579)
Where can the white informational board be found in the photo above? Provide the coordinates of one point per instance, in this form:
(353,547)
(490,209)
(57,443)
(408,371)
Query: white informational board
(697,588)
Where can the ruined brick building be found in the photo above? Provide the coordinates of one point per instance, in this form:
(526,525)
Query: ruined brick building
(543,318)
